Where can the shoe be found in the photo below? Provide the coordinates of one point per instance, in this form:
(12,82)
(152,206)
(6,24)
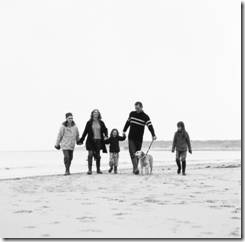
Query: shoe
(183,174)
(110,170)
(178,171)
(89,173)
(115,170)
(136,172)
(99,172)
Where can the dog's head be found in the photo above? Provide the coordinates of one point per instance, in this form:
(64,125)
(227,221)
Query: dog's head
(139,154)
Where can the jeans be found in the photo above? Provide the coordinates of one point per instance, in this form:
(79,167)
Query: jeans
(94,154)
(134,145)
(68,156)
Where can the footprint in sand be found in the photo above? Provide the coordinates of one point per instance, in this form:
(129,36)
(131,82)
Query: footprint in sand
(30,227)
(86,219)
(23,211)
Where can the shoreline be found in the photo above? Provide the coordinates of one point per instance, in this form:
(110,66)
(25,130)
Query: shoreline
(128,171)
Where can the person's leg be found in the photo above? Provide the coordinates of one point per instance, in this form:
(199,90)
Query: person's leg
(70,159)
(183,161)
(178,161)
(90,162)
(66,161)
(138,148)
(132,151)
(97,155)
(116,157)
(111,162)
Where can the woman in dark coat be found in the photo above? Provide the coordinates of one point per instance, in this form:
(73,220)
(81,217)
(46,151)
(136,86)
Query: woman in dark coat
(96,131)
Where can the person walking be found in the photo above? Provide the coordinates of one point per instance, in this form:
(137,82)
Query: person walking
(96,131)
(67,137)
(181,143)
(114,148)
(136,121)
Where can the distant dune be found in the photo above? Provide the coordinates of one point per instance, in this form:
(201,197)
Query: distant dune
(196,145)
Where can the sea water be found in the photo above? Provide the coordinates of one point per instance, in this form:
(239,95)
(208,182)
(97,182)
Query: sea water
(15,164)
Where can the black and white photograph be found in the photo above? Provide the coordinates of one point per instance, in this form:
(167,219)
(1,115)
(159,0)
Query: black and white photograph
(121,119)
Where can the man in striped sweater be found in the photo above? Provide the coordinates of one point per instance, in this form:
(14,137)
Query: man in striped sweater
(137,121)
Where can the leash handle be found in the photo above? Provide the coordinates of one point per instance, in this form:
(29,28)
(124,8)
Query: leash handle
(149,147)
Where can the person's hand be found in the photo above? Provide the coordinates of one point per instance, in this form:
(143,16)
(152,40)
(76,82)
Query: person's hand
(123,133)
(105,138)
(172,150)
(57,147)
(79,142)
(154,137)
(190,151)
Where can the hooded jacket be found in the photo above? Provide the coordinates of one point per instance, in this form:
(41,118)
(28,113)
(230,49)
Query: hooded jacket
(67,136)
(181,141)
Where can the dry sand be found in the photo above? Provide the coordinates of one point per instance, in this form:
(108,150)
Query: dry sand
(204,204)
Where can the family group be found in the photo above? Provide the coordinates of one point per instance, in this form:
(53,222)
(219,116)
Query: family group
(97,139)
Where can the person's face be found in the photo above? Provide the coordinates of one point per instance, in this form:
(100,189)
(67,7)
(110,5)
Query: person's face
(114,133)
(95,114)
(138,108)
(69,119)
(179,128)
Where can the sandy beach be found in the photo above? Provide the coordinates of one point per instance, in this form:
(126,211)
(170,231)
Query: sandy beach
(204,204)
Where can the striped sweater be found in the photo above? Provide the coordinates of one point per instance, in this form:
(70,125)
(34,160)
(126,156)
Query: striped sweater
(137,122)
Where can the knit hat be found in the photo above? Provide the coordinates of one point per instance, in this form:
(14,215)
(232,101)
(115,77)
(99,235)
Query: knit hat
(68,115)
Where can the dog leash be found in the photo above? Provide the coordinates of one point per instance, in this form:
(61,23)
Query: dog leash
(149,147)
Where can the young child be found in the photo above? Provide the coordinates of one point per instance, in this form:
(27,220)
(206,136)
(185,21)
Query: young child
(114,149)
(181,142)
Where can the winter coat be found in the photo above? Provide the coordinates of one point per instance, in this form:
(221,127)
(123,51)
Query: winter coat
(114,143)
(67,136)
(88,131)
(181,141)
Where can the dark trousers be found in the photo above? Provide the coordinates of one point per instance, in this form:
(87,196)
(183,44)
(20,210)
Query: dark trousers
(68,156)
(95,153)
(133,146)
(181,158)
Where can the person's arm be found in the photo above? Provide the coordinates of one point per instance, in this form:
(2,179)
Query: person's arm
(85,132)
(105,130)
(127,123)
(107,141)
(60,137)
(188,142)
(77,134)
(150,126)
(122,138)
(174,143)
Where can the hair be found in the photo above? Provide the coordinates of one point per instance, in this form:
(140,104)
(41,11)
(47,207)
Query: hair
(68,115)
(139,103)
(95,110)
(182,126)
(113,131)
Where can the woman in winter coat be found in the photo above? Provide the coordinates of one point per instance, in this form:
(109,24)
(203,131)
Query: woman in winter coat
(67,137)
(96,131)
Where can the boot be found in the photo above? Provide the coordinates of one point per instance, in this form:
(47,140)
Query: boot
(183,167)
(98,166)
(115,169)
(110,170)
(179,166)
(89,166)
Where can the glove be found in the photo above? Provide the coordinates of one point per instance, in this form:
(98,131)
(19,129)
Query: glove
(57,147)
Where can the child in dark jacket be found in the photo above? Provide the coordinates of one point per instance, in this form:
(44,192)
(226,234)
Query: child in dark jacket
(181,143)
(114,149)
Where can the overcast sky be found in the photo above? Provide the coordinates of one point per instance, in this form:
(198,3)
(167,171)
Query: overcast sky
(180,58)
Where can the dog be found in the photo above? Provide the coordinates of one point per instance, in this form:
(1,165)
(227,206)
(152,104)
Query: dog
(146,161)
